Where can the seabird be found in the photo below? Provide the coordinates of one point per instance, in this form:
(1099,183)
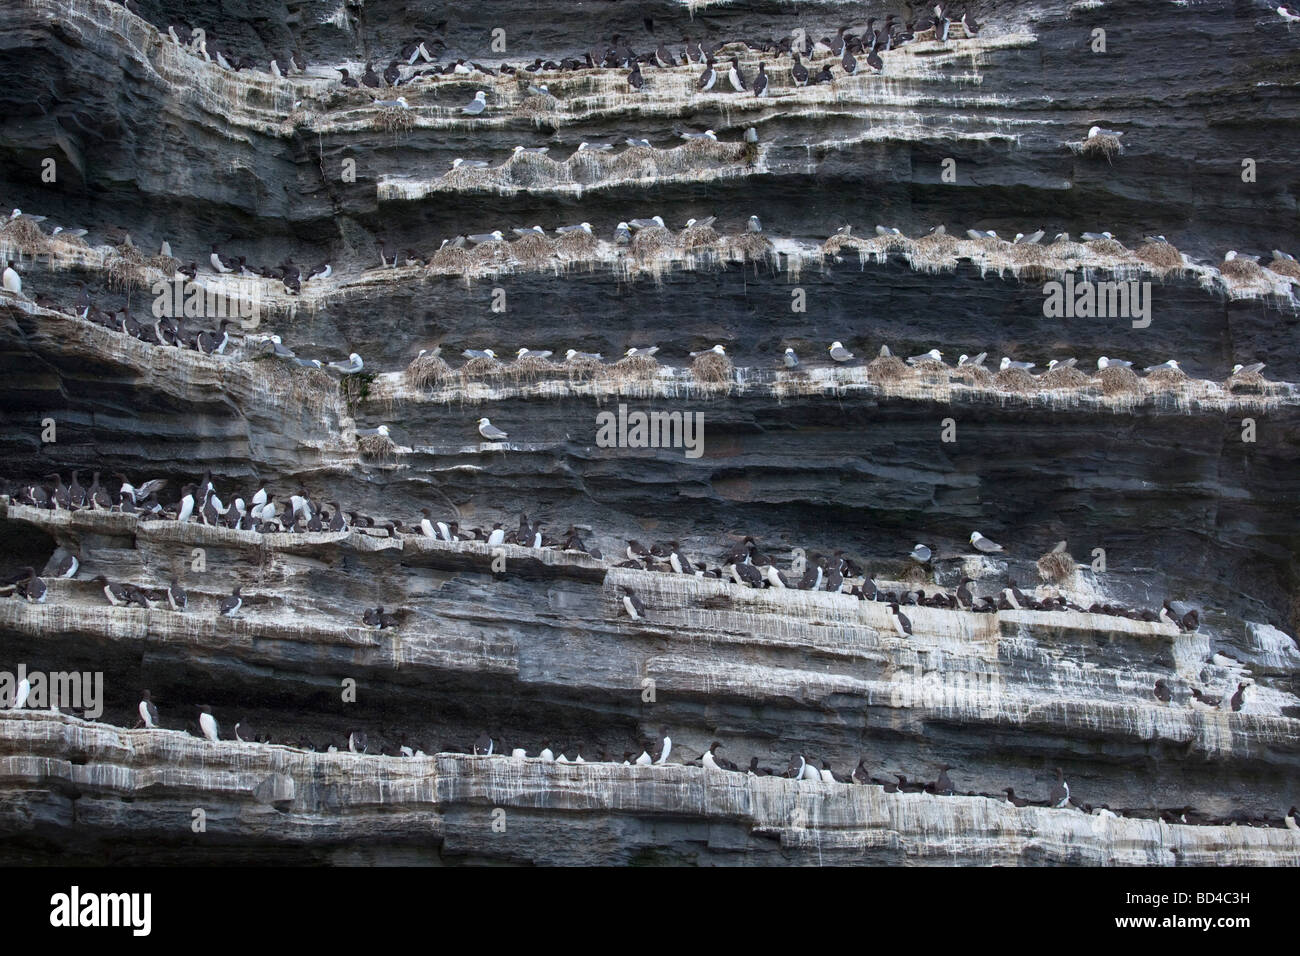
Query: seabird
(1029,240)
(580,227)
(533,354)
(760,81)
(476,105)
(399,103)
(66,567)
(479,238)
(632,604)
(1006,363)
(546,752)
(972,361)
(490,431)
(1059,363)
(635,352)
(983,544)
(639,224)
(350,367)
(921,554)
(1060,792)
(32,588)
(635,79)
(1239,698)
(637,142)
(707,78)
(754,225)
(1105,362)
(1171,365)
(716,350)
(478,354)
(707,134)
(622,234)
(934,355)
(208,723)
(1099,131)
(357,742)
(572,354)
(230,605)
(1251,369)
(839,353)
(13,282)
(176,596)
(901,623)
(791,360)
(148,712)
(1096,236)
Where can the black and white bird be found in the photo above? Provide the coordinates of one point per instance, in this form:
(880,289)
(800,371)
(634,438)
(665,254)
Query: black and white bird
(1060,791)
(148,712)
(707,78)
(901,622)
(230,605)
(477,105)
(791,360)
(760,81)
(736,76)
(13,282)
(632,604)
(1007,363)
(921,554)
(351,366)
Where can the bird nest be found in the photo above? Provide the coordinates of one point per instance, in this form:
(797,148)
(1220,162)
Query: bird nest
(394,119)
(26,236)
(712,369)
(1243,270)
(749,247)
(376,447)
(533,250)
(1106,247)
(581,369)
(1057,566)
(1065,376)
(531,367)
(1167,378)
(637,162)
(310,388)
(651,243)
(482,366)
(836,243)
(1098,147)
(426,370)
(698,152)
(1160,256)
(887,368)
(468,177)
(167,265)
(1286,267)
(1247,382)
(449,259)
(635,368)
(535,106)
(126,268)
(697,237)
(577,245)
(1119,381)
(933,253)
(492,253)
(1015,380)
(973,375)
(532,169)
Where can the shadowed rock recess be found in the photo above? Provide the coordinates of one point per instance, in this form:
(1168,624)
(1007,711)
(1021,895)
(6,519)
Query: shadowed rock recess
(1174,491)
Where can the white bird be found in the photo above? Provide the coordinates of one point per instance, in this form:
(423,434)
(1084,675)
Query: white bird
(479,238)
(716,350)
(399,103)
(208,723)
(478,353)
(21,693)
(571,354)
(497,537)
(839,353)
(533,353)
(933,354)
(1104,362)
(476,105)
(547,753)
(381,430)
(791,360)
(754,224)
(490,431)
(974,361)
(1171,365)
(983,544)
(351,366)
(1099,131)
(1007,363)
(13,282)
(920,554)
(1290,17)
(666,749)
(519,753)
(638,353)
(1251,369)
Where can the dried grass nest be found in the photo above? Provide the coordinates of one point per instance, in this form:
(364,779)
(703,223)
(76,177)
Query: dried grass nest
(1116,380)
(1057,566)
(1016,380)
(428,370)
(482,366)
(1243,270)
(1099,147)
(750,247)
(712,369)
(1167,377)
(1286,267)
(697,237)
(378,447)
(533,250)
(651,243)
(26,236)
(635,367)
(887,368)
(976,375)
(531,367)
(1064,376)
(577,245)
(394,119)
(1161,256)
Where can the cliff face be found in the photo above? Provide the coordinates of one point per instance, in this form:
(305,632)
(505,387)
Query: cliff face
(1186,485)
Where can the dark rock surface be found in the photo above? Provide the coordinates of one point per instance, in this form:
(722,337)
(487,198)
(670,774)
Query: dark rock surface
(155,141)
